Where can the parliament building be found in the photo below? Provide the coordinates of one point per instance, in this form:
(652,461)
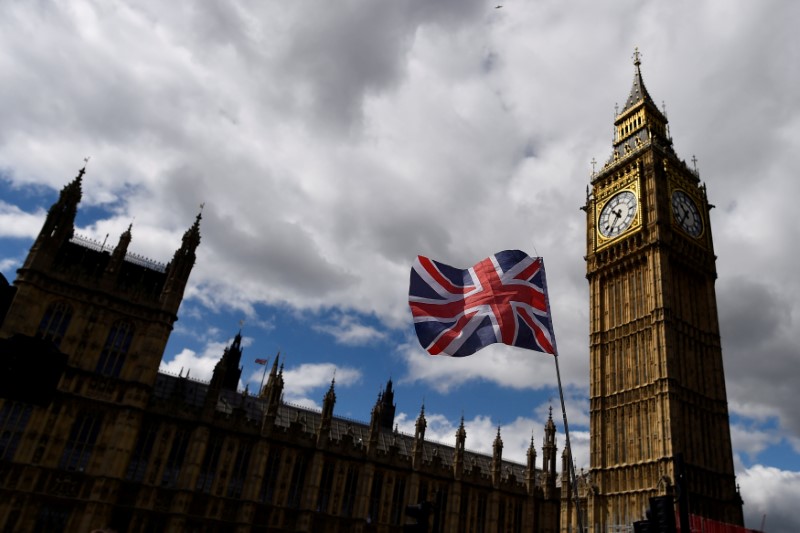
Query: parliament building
(94,437)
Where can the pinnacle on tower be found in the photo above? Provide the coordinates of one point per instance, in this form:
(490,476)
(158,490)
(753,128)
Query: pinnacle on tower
(638,90)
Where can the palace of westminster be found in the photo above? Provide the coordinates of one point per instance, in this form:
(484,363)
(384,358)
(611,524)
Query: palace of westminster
(93,436)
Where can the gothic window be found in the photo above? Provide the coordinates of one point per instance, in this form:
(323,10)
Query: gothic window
(297,482)
(52,517)
(80,442)
(375,498)
(325,485)
(350,486)
(466,515)
(480,522)
(398,496)
(177,452)
(116,348)
(13,419)
(208,468)
(142,452)
(271,473)
(54,322)
(239,474)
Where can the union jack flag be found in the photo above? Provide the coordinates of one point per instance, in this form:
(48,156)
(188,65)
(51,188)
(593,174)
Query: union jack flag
(501,299)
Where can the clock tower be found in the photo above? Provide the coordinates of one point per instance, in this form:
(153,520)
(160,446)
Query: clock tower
(657,383)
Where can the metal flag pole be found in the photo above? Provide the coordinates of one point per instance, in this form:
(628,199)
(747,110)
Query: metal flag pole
(263,375)
(563,406)
(569,451)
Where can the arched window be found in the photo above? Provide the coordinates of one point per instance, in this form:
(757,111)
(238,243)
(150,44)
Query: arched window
(116,348)
(80,443)
(54,322)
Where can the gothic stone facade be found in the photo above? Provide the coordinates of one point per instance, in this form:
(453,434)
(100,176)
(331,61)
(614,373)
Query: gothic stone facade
(93,436)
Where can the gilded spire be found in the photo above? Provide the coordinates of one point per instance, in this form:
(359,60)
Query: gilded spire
(638,90)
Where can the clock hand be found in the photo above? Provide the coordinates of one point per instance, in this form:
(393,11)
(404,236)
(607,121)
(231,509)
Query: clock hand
(613,223)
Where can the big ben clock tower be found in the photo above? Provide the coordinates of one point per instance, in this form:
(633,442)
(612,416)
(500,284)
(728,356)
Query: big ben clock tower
(657,383)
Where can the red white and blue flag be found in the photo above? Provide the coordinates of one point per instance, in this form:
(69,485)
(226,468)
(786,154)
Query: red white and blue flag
(501,299)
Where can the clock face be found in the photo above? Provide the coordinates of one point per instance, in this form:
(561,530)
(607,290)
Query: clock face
(686,214)
(617,214)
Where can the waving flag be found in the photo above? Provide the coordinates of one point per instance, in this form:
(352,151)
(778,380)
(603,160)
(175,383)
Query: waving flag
(501,299)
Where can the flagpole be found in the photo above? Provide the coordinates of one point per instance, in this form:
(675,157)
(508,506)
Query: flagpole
(261,388)
(569,450)
(563,406)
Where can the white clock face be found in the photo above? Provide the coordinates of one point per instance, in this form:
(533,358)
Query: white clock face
(617,214)
(686,214)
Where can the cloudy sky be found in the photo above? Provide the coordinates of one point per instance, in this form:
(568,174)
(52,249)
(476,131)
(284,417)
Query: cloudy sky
(332,142)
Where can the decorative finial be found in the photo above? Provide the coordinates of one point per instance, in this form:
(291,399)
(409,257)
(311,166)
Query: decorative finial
(694,162)
(82,171)
(636,56)
(593,162)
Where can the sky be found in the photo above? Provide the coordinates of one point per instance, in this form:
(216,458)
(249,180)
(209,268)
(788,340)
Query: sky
(330,143)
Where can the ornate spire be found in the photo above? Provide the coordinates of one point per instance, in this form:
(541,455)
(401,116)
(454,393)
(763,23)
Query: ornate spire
(181,265)
(461,435)
(227,371)
(497,445)
(385,407)
(422,423)
(549,456)
(327,412)
(330,396)
(61,215)
(638,90)
(122,248)
(530,471)
(191,238)
(419,438)
(497,458)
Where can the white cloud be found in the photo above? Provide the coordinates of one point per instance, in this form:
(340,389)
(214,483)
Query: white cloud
(198,366)
(503,365)
(751,441)
(14,222)
(348,331)
(771,495)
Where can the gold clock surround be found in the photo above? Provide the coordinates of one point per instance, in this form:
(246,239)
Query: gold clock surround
(601,200)
(695,207)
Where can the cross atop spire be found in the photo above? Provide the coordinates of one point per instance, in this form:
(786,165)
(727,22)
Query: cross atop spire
(637,57)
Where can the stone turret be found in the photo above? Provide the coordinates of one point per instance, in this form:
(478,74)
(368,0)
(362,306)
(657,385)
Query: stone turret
(419,438)
(180,267)
(530,472)
(273,390)
(497,459)
(118,256)
(382,417)
(58,227)
(227,371)
(458,455)
(549,457)
(328,401)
